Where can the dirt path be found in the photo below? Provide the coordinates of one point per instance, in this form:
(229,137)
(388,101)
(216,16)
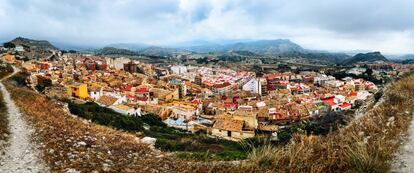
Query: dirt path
(21,155)
(404,160)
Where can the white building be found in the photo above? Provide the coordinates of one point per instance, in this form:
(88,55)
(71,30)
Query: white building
(126,110)
(253,86)
(117,63)
(322,79)
(19,48)
(178,69)
(95,94)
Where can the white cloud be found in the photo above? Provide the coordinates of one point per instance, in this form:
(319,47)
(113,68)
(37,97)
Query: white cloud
(319,24)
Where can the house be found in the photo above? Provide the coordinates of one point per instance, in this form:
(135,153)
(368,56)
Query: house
(95,92)
(345,106)
(254,86)
(107,101)
(9,58)
(335,103)
(221,89)
(230,129)
(78,90)
(179,69)
(126,110)
(165,95)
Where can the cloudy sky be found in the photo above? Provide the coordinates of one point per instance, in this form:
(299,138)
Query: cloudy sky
(386,26)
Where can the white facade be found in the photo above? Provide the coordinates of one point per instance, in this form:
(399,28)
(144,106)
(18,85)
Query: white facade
(253,86)
(95,94)
(129,111)
(117,63)
(179,69)
(19,48)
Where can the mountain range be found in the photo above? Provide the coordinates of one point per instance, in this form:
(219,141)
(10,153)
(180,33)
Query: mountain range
(279,47)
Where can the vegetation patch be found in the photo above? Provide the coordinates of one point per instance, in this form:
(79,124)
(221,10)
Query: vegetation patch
(187,145)
(4,130)
(5,69)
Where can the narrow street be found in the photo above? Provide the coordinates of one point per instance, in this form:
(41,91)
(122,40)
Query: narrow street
(21,155)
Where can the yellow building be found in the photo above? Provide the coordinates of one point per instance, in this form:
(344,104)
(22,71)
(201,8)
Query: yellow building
(78,90)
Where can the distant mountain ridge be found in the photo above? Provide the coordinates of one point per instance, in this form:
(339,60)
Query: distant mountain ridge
(281,47)
(365,58)
(276,46)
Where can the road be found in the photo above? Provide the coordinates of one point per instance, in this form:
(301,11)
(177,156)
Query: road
(21,155)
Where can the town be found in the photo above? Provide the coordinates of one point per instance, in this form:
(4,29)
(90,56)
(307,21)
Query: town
(220,102)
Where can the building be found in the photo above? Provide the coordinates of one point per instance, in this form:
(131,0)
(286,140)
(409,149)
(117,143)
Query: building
(78,90)
(108,101)
(253,85)
(126,110)
(131,67)
(263,84)
(230,129)
(178,69)
(9,58)
(221,89)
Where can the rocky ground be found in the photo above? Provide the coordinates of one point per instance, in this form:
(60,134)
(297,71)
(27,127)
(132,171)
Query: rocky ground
(404,160)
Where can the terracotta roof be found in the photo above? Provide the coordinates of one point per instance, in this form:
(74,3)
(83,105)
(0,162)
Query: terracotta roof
(345,105)
(142,90)
(122,107)
(270,128)
(107,100)
(330,101)
(229,124)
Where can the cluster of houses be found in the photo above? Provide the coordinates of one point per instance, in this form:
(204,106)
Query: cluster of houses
(221,102)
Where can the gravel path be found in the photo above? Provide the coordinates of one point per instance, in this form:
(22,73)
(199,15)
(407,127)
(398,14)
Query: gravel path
(20,155)
(404,160)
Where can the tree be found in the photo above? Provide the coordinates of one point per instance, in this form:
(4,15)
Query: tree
(369,72)
(9,45)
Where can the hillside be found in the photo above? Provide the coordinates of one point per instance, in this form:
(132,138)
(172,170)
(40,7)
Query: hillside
(115,51)
(34,44)
(260,47)
(365,58)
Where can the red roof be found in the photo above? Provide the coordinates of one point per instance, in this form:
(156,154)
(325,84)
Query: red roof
(352,93)
(142,90)
(127,88)
(229,105)
(187,83)
(142,98)
(196,101)
(330,101)
(131,97)
(345,105)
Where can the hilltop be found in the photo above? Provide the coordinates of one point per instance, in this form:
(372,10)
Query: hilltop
(33,44)
(365,58)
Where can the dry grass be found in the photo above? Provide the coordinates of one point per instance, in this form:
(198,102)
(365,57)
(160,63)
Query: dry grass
(4,129)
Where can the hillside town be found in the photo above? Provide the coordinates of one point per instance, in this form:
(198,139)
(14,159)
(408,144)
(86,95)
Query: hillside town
(220,102)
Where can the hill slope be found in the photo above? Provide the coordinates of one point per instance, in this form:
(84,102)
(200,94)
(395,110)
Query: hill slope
(260,47)
(365,58)
(34,44)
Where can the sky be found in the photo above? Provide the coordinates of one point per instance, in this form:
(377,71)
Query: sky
(333,25)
